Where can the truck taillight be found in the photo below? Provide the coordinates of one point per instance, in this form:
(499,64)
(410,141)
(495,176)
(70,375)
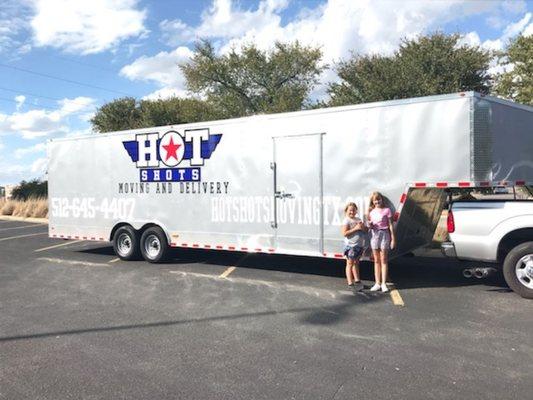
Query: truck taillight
(450,222)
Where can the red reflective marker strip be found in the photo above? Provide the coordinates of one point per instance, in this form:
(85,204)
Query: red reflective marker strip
(403,198)
(207,246)
(244,248)
(260,250)
(484,183)
(271,250)
(195,245)
(396,216)
(220,247)
(520,183)
(338,256)
(464,184)
(420,184)
(442,184)
(231,247)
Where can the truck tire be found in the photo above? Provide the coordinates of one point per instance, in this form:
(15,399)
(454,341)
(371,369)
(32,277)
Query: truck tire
(126,243)
(518,269)
(154,245)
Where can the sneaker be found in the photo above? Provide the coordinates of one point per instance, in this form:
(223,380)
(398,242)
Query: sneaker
(384,288)
(375,288)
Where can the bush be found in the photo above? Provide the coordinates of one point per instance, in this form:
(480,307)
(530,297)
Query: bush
(7,207)
(33,207)
(32,189)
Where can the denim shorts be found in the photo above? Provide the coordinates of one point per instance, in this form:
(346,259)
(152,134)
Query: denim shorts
(353,252)
(380,239)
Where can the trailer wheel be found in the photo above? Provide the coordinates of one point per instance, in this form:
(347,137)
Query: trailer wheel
(154,245)
(126,243)
(518,269)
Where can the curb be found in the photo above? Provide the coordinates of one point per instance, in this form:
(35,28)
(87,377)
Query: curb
(29,219)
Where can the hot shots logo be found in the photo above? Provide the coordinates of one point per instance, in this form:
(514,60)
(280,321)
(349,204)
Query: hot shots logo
(173,156)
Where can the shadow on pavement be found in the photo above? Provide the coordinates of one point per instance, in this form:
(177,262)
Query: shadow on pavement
(318,315)
(406,272)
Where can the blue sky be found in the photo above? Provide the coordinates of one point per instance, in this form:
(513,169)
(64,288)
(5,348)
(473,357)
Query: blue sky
(61,59)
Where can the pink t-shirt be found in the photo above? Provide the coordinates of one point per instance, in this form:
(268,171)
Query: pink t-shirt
(380,217)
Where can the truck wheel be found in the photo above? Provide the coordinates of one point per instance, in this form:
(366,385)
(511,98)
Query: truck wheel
(154,245)
(518,269)
(126,243)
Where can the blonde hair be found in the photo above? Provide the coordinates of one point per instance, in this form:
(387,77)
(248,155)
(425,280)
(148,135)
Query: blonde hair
(350,204)
(373,196)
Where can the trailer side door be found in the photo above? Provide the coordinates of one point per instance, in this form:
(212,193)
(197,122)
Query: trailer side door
(298,195)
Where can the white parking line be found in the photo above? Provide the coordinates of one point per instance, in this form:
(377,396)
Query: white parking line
(114,260)
(58,245)
(72,262)
(311,291)
(20,227)
(21,236)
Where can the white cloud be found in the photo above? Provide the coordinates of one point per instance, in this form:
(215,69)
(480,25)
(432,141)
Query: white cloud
(13,173)
(20,99)
(524,25)
(39,166)
(514,6)
(336,26)
(36,148)
(221,20)
(86,27)
(163,69)
(71,106)
(14,16)
(38,123)
(528,31)
(166,93)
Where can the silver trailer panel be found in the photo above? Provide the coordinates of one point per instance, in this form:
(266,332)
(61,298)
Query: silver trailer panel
(279,183)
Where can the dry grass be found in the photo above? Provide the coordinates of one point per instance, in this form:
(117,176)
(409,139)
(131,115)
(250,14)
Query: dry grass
(35,208)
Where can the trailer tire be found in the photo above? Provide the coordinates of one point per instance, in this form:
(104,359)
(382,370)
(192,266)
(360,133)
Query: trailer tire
(126,243)
(518,269)
(154,245)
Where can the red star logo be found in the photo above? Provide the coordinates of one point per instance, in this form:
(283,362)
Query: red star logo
(171,149)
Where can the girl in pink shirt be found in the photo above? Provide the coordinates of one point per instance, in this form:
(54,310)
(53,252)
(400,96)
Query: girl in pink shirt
(382,239)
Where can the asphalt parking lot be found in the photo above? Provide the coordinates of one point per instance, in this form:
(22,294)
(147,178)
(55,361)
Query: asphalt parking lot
(76,323)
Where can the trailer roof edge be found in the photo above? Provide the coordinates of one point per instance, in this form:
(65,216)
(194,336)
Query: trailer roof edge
(294,114)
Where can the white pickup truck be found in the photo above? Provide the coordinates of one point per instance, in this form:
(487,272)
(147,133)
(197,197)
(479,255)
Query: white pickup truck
(495,231)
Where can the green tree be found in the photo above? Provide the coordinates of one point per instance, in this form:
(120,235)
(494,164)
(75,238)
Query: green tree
(250,81)
(128,113)
(517,82)
(434,64)
(175,111)
(117,115)
(31,189)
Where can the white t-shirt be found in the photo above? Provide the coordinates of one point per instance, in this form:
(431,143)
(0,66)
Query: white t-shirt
(358,238)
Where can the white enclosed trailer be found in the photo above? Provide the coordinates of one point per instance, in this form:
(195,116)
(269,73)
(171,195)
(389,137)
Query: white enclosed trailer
(279,183)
